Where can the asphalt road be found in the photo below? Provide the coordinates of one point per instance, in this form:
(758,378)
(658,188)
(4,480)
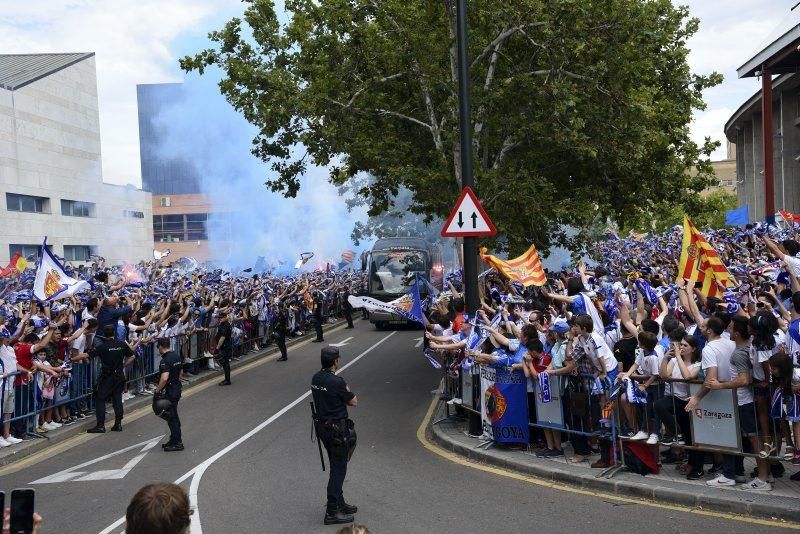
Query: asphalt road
(251,467)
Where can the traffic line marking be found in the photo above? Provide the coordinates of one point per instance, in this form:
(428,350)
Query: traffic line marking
(73,475)
(455,458)
(197,472)
(342,343)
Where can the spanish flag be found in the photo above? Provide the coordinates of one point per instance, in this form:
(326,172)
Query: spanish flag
(526,269)
(701,263)
(15,266)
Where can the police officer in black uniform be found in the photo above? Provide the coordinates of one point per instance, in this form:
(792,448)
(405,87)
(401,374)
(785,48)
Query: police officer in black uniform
(318,303)
(280,325)
(346,307)
(332,396)
(169,387)
(114,355)
(224,346)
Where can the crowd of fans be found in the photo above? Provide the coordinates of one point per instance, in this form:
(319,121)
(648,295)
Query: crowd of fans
(46,349)
(627,336)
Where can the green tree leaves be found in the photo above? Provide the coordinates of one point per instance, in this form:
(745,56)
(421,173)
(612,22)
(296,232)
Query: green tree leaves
(580,109)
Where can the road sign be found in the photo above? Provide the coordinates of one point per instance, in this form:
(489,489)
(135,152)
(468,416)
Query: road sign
(73,475)
(468,218)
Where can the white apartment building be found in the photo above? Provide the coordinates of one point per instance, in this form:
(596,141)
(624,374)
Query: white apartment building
(51,181)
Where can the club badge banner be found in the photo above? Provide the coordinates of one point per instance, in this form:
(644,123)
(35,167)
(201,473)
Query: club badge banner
(504,405)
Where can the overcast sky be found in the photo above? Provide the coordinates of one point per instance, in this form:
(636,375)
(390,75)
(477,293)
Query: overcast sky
(138,41)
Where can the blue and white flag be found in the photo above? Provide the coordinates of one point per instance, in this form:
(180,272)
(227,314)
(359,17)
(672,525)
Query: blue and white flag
(51,282)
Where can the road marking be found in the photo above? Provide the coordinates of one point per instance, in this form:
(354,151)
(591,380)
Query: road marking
(51,452)
(419,342)
(73,475)
(342,343)
(455,458)
(197,473)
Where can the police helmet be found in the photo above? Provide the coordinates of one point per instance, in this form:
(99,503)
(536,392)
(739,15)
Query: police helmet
(162,407)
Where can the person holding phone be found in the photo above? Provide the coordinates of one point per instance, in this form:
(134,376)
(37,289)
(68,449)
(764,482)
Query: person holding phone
(20,518)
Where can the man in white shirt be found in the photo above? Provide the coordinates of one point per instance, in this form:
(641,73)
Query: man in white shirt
(740,370)
(716,363)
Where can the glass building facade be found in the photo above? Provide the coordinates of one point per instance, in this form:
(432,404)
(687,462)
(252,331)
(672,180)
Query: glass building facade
(162,173)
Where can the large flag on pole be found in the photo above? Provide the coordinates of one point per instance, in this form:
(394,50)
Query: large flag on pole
(701,263)
(51,282)
(526,269)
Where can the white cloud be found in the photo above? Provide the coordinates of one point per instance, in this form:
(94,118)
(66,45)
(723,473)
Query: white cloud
(730,33)
(133,41)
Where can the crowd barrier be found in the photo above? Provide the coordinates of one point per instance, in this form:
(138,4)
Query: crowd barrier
(28,400)
(40,398)
(590,416)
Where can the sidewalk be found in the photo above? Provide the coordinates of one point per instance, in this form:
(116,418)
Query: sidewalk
(668,487)
(15,453)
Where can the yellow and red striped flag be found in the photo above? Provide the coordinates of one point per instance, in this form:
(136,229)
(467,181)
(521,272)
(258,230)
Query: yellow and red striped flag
(789,217)
(526,269)
(700,262)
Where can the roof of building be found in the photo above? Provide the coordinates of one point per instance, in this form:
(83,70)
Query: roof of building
(752,105)
(779,50)
(19,70)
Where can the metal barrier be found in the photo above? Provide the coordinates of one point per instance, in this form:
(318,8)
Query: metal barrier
(581,410)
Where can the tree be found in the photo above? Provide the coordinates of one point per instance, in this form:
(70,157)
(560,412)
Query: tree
(580,109)
(706,211)
(395,222)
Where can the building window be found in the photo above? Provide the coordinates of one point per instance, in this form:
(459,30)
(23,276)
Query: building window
(168,228)
(27,203)
(78,252)
(165,202)
(76,208)
(133,214)
(27,251)
(196,226)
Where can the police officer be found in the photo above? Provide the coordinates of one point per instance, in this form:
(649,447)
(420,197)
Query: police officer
(225,346)
(332,396)
(346,307)
(318,302)
(114,355)
(169,387)
(280,325)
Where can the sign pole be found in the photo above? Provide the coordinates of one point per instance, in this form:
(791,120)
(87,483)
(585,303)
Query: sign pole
(470,243)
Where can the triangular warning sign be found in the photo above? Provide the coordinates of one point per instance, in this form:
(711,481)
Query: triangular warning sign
(468,218)
(73,475)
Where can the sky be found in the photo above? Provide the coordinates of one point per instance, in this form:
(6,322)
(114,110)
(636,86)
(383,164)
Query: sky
(138,41)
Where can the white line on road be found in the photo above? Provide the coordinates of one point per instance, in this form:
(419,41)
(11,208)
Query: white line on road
(419,342)
(197,472)
(73,475)
(342,343)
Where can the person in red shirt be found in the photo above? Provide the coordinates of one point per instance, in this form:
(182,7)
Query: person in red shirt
(24,387)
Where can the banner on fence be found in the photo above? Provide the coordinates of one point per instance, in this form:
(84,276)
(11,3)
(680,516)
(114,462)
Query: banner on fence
(549,413)
(504,405)
(715,421)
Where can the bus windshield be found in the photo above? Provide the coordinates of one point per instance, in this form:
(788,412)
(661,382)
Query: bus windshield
(392,272)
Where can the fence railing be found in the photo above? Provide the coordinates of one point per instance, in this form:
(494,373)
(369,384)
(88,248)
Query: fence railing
(592,414)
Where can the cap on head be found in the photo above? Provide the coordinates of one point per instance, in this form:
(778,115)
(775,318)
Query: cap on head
(328,356)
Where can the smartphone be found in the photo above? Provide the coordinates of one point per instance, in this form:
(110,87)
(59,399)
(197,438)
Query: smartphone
(22,511)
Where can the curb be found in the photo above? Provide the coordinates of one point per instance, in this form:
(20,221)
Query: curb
(738,502)
(29,448)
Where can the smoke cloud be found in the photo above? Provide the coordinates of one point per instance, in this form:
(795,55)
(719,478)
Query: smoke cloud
(248,220)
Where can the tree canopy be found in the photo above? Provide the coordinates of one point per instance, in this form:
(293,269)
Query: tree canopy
(581,110)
